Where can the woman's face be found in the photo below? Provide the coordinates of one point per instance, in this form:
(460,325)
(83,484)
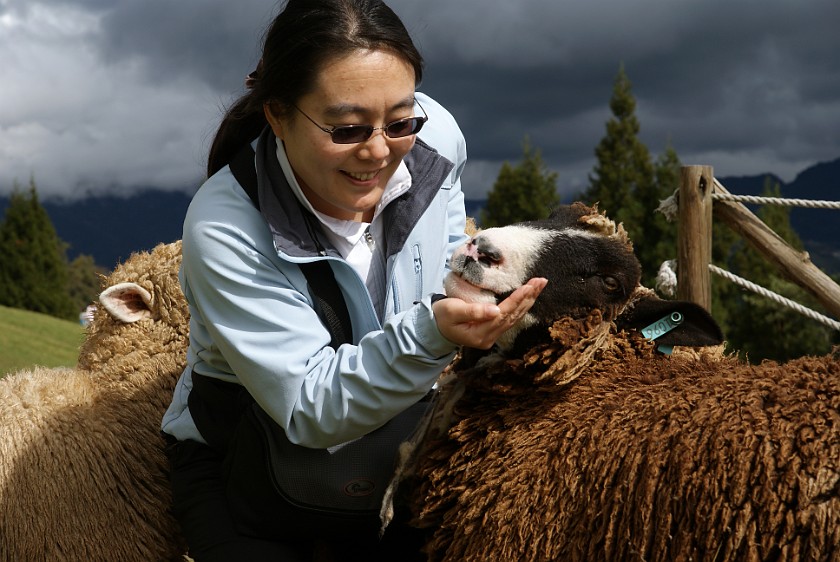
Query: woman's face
(346,181)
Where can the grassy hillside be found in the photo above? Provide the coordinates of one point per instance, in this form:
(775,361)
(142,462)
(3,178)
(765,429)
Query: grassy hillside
(29,338)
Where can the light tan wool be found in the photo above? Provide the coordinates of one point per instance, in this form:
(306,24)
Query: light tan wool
(83,475)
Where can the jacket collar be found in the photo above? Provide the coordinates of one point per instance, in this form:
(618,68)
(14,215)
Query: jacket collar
(297,232)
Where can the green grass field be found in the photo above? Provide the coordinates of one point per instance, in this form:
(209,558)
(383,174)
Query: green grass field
(30,338)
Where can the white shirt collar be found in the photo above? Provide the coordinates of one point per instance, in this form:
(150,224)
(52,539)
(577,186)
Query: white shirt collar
(352,231)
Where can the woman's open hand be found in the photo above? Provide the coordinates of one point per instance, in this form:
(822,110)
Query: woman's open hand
(479,325)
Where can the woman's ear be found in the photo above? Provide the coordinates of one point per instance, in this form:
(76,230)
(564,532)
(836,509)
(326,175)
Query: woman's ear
(274,121)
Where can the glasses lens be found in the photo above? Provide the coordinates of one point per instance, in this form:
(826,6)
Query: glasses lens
(350,134)
(404,127)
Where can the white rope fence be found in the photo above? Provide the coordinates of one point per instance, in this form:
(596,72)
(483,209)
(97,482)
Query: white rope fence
(666,283)
(670,206)
(782,202)
(666,280)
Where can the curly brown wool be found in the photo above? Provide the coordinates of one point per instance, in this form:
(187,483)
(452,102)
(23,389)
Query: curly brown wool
(639,456)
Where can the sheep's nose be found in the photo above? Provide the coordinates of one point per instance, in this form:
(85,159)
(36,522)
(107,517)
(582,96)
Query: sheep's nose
(486,253)
(471,249)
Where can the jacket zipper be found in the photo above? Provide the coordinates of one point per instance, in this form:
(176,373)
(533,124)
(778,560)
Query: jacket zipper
(418,272)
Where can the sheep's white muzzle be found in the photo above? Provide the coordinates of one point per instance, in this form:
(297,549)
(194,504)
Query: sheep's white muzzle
(457,286)
(467,279)
(495,262)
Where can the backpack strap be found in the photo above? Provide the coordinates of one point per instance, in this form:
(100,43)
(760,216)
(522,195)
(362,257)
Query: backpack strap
(217,406)
(242,166)
(329,300)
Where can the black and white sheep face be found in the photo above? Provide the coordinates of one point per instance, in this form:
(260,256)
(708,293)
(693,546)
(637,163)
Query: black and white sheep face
(495,262)
(585,268)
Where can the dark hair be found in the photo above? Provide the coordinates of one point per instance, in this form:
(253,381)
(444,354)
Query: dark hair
(301,39)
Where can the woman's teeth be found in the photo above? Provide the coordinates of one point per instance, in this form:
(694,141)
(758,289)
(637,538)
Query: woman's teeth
(365,176)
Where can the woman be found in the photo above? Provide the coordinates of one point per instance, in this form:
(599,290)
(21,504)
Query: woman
(342,176)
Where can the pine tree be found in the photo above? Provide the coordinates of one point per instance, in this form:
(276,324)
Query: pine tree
(623,162)
(725,245)
(628,186)
(33,271)
(527,191)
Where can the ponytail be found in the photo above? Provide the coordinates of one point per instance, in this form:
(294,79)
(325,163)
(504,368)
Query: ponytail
(241,124)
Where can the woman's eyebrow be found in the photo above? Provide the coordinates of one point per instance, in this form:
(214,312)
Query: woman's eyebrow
(343,109)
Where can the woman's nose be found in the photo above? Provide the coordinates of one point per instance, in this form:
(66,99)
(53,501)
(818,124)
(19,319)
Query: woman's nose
(376,147)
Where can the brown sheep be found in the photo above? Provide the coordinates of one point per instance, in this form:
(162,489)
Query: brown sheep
(83,474)
(593,445)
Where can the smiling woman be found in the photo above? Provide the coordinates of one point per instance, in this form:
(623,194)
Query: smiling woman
(347,180)
(311,256)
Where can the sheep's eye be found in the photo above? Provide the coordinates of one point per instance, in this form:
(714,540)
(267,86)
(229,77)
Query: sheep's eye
(611,283)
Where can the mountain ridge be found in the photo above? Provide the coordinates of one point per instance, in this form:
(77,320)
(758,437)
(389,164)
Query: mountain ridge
(110,228)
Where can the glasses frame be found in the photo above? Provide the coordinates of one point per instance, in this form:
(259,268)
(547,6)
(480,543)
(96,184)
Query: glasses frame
(370,129)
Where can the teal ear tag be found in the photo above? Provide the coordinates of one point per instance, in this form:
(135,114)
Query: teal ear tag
(662,327)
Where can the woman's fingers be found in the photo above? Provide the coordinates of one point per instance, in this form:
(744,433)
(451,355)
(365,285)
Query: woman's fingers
(516,306)
(479,325)
(522,299)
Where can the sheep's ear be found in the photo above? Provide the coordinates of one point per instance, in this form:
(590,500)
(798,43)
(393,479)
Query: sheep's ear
(672,322)
(127,302)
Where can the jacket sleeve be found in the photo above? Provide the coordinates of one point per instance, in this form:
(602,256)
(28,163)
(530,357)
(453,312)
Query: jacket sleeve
(253,316)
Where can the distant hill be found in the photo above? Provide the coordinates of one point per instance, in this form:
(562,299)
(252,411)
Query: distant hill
(111,228)
(819,229)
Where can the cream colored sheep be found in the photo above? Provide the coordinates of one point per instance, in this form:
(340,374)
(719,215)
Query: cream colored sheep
(83,475)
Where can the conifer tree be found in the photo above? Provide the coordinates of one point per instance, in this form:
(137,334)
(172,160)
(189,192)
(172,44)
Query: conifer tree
(527,191)
(628,186)
(623,163)
(33,271)
(725,245)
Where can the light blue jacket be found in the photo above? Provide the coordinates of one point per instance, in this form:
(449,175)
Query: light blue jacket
(252,319)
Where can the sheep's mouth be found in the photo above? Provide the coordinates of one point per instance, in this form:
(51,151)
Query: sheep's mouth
(457,286)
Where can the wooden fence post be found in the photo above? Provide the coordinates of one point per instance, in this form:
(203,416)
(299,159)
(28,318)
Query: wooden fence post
(694,235)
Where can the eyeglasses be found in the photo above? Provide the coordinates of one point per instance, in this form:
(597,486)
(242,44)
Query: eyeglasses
(352,134)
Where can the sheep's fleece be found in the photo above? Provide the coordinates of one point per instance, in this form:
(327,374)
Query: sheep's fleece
(83,475)
(595,446)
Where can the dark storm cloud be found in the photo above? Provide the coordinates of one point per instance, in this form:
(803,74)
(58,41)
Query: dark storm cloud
(749,86)
(214,42)
(713,76)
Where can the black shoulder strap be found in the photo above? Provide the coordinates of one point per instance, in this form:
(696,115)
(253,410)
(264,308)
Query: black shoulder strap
(329,300)
(245,172)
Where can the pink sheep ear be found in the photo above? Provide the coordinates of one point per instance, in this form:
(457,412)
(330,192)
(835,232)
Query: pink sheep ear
(127,302)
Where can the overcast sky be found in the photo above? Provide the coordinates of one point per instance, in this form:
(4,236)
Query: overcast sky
(116,95)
